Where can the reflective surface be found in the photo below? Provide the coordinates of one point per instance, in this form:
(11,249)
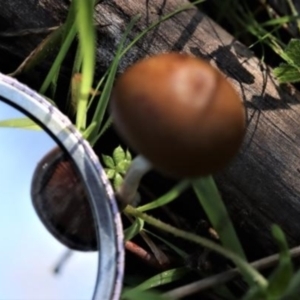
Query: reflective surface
(30,254)
(105,212)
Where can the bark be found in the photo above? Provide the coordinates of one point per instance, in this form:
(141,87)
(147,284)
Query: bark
(261,186)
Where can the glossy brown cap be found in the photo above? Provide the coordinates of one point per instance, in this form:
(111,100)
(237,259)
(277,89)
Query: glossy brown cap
(61,202)
(180,113)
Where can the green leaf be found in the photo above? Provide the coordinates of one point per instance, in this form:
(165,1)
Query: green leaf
(211,201)
(118,155)
(286,73)
(128,155)
(117,181)
(123,166)
(255,293)
(110,173)
(133,229)
(163,278)
(134,294)
(281,276)
(292,52)
(168,197)
(108,161)
(21,123)
(293,290)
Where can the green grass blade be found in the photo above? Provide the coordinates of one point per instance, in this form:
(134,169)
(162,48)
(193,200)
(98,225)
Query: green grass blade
(87,44)
(133,229)
(59,59)
(156,23)
(293,290)
(97,89)
(255,293)
(168,197)
(50,44)
(20,123)
(133,294)
(252,276)
(280,21)
(89,130)
(105,95)
(112,69)
(163,278)
(211,201)
(177,250)
(281,276)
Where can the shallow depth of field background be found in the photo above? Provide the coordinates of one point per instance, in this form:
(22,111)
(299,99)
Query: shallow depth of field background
(28,252)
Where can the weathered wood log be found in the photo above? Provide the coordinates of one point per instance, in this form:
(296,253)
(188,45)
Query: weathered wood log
(262,185)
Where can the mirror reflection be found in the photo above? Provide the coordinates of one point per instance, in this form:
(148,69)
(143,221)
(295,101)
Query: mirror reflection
(46,243)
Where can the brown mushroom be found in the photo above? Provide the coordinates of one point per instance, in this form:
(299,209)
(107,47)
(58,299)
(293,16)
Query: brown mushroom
(180,113)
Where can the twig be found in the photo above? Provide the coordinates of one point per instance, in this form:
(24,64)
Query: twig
(224,277)
(63,259)
(29,31)
(162,259)
(144,255)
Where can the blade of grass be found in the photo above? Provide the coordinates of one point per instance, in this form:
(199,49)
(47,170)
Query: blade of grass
(168,197)
(177,250)
(59,59)
(71,108)
(252,276)
(66,33)
(105,95)
(88,131)
(40,53)
(20,123)
(281,276)
(293,290)
(211,201)
(133,229)
(163,278)
(86,31)
(156,23)
(129,294)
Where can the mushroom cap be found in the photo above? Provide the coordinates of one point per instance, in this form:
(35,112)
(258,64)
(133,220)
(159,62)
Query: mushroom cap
(61,202)
(180,113)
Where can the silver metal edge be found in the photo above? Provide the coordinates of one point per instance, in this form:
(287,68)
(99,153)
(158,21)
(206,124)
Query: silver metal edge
(110,231)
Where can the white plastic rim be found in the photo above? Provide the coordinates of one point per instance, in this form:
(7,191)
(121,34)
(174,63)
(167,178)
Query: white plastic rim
(108,221)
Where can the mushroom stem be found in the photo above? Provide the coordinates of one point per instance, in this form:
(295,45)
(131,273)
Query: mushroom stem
(128,190)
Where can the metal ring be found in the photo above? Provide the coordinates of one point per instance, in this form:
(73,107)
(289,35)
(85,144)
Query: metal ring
(109,225)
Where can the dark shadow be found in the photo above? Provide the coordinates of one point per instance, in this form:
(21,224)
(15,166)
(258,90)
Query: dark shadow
(196,51)
(159,11)
(268,102)
(231,66)
(227,62)
(188,32)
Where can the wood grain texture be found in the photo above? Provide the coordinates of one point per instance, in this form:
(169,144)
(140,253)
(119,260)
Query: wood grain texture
(262,185)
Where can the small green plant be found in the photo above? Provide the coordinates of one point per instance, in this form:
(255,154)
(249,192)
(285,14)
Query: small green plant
(117,165)
(289,71)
